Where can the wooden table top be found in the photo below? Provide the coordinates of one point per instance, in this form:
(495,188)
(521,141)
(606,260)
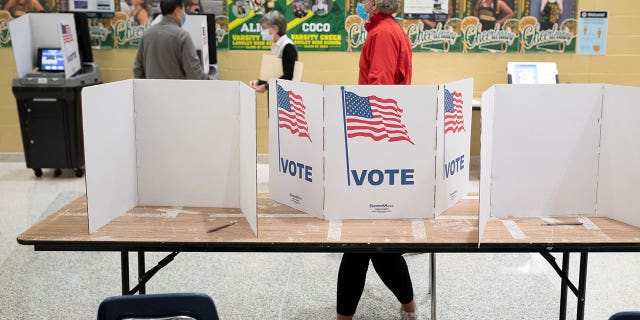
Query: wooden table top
(281,228)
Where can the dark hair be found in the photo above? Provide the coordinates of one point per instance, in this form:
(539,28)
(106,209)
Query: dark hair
(275,19)
(167,7)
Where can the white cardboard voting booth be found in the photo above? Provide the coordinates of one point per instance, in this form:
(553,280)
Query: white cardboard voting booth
(557,150)
(369,152)
(169,143)
(44,30)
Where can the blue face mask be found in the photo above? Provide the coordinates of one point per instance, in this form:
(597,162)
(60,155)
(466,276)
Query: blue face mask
(266,36)
(360,10)
(184,18)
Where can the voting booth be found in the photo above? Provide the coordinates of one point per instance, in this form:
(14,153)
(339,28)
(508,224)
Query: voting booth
(54,63)
(532,73)
(369,152)
(169,143)
(560,150)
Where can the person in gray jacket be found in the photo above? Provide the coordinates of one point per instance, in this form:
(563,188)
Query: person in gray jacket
(166,50)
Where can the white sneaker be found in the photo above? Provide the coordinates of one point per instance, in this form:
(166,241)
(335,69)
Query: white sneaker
(408,315)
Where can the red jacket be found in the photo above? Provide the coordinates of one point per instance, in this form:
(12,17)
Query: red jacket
(386,54)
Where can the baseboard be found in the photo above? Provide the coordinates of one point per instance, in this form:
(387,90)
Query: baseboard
(11,157)
(262,158)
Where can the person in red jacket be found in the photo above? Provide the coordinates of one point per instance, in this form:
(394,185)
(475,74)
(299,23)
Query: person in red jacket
(385,59)
(386,54)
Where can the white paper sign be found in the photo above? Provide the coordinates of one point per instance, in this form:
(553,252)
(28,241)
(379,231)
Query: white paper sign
(379,151)
(296,141)
(69,45)
(454,142)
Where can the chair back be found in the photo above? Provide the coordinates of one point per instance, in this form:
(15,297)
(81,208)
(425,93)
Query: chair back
(626,315)
(178,306)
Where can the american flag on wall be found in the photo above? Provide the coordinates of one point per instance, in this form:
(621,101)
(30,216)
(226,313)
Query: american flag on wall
(374,117)
(453,117)
(67,36)
(291,112)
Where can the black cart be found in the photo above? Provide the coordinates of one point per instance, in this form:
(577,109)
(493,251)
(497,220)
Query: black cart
(50,111)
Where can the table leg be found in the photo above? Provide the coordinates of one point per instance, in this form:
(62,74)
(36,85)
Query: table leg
(124,266)
(582,285)
(432,282)
(430,275)
(141,272)
(564,286)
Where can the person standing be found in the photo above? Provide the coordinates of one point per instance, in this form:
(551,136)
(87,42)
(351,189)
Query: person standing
(385,59)
(274,28)
(166,50)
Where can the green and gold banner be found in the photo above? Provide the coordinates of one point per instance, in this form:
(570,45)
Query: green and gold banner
(100,33)
(433,26)
(222,32)
(490,26)
(244,23)
(5,37)
(316,25)
(468,26)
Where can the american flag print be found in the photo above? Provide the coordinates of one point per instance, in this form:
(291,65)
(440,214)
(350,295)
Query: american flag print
(291,112)
(374,117)
(67,36)
(453,117)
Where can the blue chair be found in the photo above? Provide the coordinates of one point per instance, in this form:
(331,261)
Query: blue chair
(627,315)
(196,306)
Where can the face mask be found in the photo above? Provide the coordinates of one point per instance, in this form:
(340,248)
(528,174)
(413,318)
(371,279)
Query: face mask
(361,12)
(266,36)
(184,18)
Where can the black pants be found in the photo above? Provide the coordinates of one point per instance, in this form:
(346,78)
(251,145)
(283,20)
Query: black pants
(391,267)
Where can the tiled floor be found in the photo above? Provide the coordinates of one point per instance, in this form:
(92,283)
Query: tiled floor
(70,285)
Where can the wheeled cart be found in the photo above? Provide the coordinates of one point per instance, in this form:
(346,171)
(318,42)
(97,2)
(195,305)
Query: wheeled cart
(50,112)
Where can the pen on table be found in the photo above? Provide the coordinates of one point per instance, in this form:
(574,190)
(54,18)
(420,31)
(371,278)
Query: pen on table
(222,226)
(562,224)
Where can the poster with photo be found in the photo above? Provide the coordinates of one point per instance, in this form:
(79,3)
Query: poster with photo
(548,26)
(433,25)
(244,23)
(490,26)
(316,25)
(126,29)
(18,8)
(11,9)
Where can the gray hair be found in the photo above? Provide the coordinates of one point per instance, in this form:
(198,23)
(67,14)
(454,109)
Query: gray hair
(387,6)
(275,19)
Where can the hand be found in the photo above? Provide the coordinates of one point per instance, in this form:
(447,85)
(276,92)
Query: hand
(253,83)
(260,88)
